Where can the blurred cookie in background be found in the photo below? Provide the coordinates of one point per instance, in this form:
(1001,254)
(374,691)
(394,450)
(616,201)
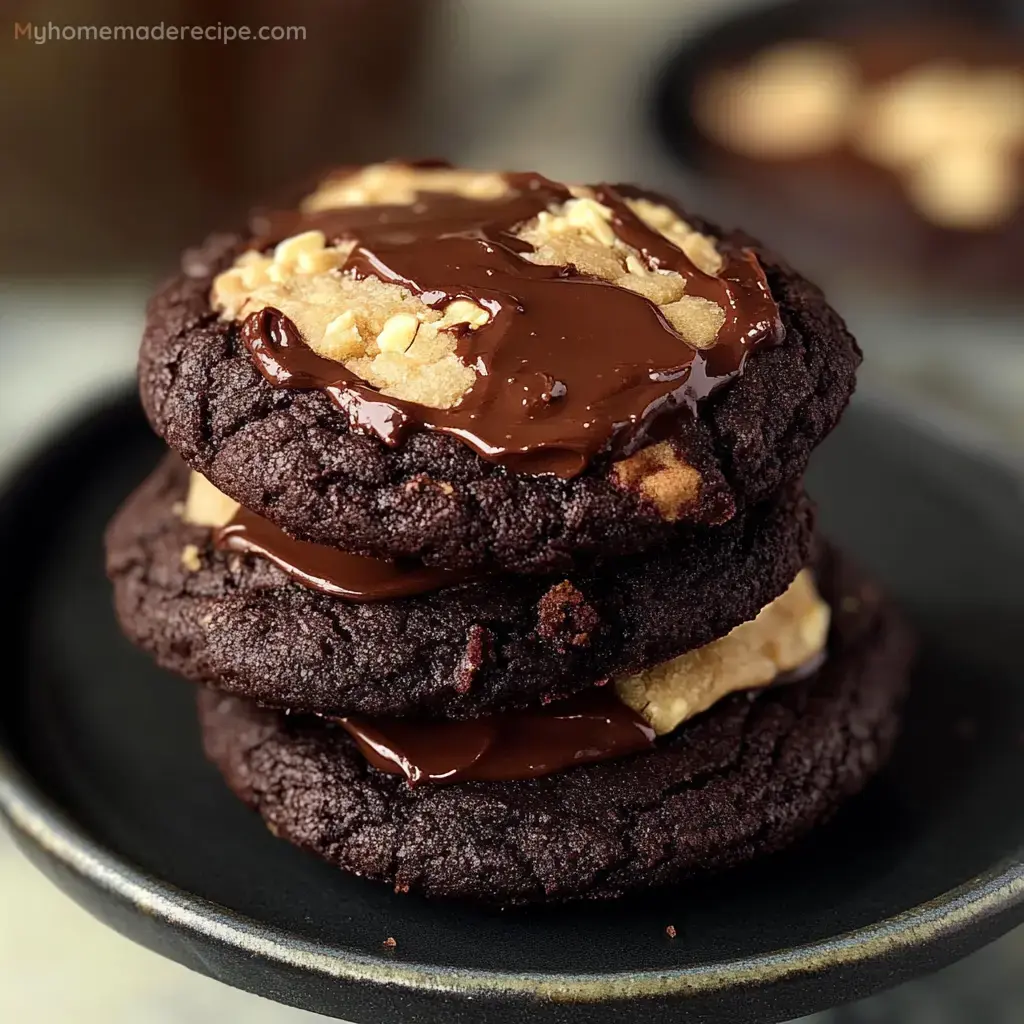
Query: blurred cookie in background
(887,135)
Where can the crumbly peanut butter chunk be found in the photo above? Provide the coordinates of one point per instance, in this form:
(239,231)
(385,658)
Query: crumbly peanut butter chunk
(389,337)
(376,329)
(787,634)
(660,474)
(579,232)
(205,505)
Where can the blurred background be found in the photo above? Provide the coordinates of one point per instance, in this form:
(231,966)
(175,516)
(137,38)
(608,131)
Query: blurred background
(117,154)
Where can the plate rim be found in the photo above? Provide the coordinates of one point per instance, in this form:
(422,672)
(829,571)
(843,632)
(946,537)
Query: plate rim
(38,820)
(39,825)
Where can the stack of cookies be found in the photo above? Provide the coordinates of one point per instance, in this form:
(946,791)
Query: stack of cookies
(484,532)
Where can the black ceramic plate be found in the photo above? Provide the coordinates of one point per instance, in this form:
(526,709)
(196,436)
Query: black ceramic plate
(103,781)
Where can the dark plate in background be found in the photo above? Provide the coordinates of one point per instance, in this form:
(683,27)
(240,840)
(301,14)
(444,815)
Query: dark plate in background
(103,781)
(844,219)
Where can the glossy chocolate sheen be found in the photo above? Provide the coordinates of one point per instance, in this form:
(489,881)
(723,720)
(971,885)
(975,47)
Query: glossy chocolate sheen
(567,364)
(327,569)
(593,726)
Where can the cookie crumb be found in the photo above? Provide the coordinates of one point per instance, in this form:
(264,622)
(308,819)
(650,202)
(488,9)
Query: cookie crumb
(389,943)
(670,930)
(473,658)
(565,618)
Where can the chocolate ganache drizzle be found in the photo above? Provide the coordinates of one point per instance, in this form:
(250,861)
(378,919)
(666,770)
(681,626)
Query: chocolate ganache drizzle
(327,569)
(567,365)
(594,726)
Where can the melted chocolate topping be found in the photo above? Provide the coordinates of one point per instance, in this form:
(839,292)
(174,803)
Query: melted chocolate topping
(567,364)
(334,572)
(593,726)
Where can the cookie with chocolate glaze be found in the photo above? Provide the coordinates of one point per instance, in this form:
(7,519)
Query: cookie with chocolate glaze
(374,396)
(240,623)
(746,778)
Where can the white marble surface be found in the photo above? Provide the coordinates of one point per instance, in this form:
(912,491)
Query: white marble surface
(58,966)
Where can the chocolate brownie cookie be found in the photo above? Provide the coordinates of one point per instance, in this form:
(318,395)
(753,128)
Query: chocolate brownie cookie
(240,623)
(626,369)
(745,778)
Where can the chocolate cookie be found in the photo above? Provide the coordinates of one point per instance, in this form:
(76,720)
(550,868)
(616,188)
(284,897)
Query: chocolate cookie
(745,778)
(238,622)
(337,463)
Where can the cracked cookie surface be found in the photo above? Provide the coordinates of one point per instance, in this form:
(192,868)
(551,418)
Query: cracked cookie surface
(291,456)
(745,778)
(502,641)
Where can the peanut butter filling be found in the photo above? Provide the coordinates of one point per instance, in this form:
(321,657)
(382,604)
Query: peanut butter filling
(393,340)
(538,323)
(788,634)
